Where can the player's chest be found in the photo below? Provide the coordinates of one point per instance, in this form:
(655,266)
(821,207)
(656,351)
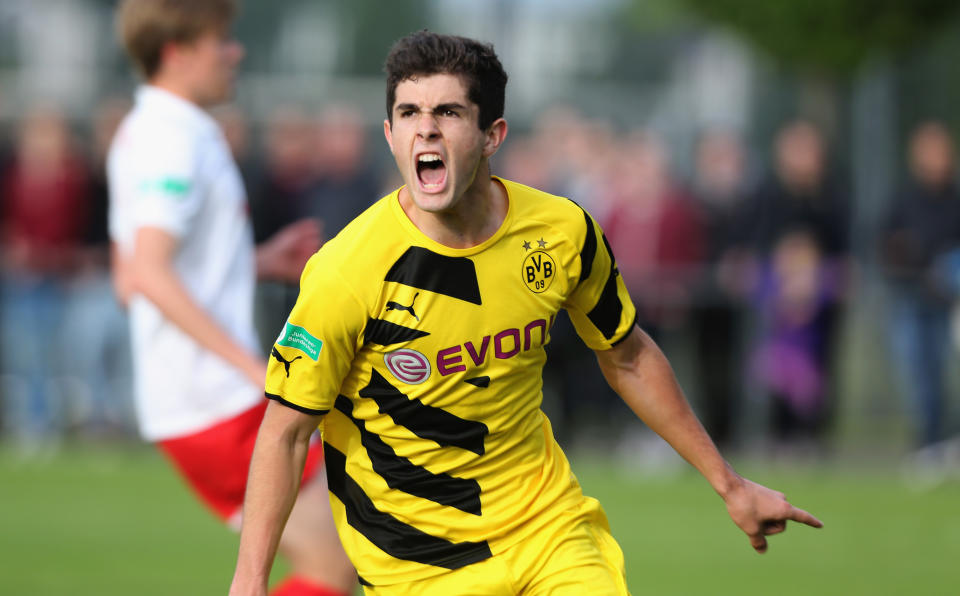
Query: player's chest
(459,313)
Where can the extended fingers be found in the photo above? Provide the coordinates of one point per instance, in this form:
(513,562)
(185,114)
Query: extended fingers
(799,515)
(778,525)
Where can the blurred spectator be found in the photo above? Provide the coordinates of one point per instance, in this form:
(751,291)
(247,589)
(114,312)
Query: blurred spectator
(720,187)
(800,195)
(653,230)
(526,161)
(282,195)
(236,130)
(45,189)
(919,243)
(279,196)
(347,183)
(656,233)
(798,230)
(99,392)
(282,192)
(794,300)
(318,168)
(579,156)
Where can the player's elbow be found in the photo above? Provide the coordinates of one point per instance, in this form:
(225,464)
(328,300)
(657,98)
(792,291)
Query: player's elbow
(122,287)
(629,354)
(135,281)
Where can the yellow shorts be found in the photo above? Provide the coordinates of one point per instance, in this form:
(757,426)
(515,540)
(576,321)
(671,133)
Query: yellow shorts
(574,555)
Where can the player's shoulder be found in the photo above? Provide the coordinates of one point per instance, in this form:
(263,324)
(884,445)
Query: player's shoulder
(365,248)
(147,133)
(558,212)
(162,120)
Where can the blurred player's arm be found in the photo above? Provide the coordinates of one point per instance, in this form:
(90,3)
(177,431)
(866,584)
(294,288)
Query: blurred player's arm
(272,485)
(640,373)
(151,273)
(282,256)
(120,275)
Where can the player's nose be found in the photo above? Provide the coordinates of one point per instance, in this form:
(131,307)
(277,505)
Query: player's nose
(237,51)
(427,126)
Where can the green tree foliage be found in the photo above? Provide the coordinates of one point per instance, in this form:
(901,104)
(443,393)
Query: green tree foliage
(830,35)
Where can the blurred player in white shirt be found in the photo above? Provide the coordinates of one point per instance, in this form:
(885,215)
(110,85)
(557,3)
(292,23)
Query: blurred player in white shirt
(185,263)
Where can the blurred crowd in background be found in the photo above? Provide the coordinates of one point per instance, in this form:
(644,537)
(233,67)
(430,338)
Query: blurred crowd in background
(802,303)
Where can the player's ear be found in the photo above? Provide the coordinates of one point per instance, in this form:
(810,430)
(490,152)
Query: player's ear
(169,54)
(495,134)
(387,133)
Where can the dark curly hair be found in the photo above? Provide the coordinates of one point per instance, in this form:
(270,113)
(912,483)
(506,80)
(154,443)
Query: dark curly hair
(426,53)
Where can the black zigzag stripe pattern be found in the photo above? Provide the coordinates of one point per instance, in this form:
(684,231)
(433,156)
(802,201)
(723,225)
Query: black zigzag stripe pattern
(401,474)
(425,421)
(589,250)
(424,269)
(385,333)
(389,534)
(605,316)
(482,382)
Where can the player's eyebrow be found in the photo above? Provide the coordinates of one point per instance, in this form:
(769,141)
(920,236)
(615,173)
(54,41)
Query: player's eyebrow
(453,106)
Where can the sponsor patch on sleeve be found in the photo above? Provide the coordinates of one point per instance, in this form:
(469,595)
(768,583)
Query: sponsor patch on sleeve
(176,188)
(295,336)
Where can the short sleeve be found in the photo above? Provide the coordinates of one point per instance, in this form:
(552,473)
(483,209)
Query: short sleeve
(316,347)
(599,306)
(166,187)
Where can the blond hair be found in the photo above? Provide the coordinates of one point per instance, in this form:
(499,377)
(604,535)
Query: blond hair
(144,27)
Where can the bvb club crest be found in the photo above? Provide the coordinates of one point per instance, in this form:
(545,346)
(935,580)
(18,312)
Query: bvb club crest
(538,271)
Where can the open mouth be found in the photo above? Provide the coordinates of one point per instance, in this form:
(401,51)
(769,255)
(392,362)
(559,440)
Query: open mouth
(431,171)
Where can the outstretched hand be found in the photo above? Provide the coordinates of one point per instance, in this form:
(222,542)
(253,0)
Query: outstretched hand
(761,512)
(283,255)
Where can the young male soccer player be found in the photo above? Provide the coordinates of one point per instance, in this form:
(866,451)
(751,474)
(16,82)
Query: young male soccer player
(186,265)
(417,345)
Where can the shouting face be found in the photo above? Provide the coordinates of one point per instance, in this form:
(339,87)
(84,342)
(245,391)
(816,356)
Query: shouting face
(436,141)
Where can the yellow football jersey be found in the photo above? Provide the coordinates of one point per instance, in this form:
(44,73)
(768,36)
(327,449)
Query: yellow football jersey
(427,362)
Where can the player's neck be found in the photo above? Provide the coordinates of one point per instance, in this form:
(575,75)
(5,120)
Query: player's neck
(476,217)
(176,87)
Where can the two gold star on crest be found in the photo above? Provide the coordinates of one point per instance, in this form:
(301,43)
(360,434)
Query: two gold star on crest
(541,243)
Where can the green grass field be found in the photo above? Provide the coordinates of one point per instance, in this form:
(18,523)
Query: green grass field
(117,521)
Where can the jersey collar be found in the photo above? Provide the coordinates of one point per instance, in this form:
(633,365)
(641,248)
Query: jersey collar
(161,100)
(422,239)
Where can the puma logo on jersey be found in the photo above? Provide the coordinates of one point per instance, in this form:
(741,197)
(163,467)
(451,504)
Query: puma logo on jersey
(391,305)
(286,363)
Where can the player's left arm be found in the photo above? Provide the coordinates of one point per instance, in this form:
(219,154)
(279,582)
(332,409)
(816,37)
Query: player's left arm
(640,373)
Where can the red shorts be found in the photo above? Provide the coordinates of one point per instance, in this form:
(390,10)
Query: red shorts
(215,461)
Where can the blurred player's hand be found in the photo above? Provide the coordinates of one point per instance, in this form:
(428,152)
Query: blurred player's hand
(761,512)
(283,255)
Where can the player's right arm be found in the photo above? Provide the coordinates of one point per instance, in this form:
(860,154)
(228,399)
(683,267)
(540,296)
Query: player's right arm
(152,275)
(272,485)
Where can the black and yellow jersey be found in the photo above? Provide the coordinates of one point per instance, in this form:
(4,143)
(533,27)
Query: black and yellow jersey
(427,362)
